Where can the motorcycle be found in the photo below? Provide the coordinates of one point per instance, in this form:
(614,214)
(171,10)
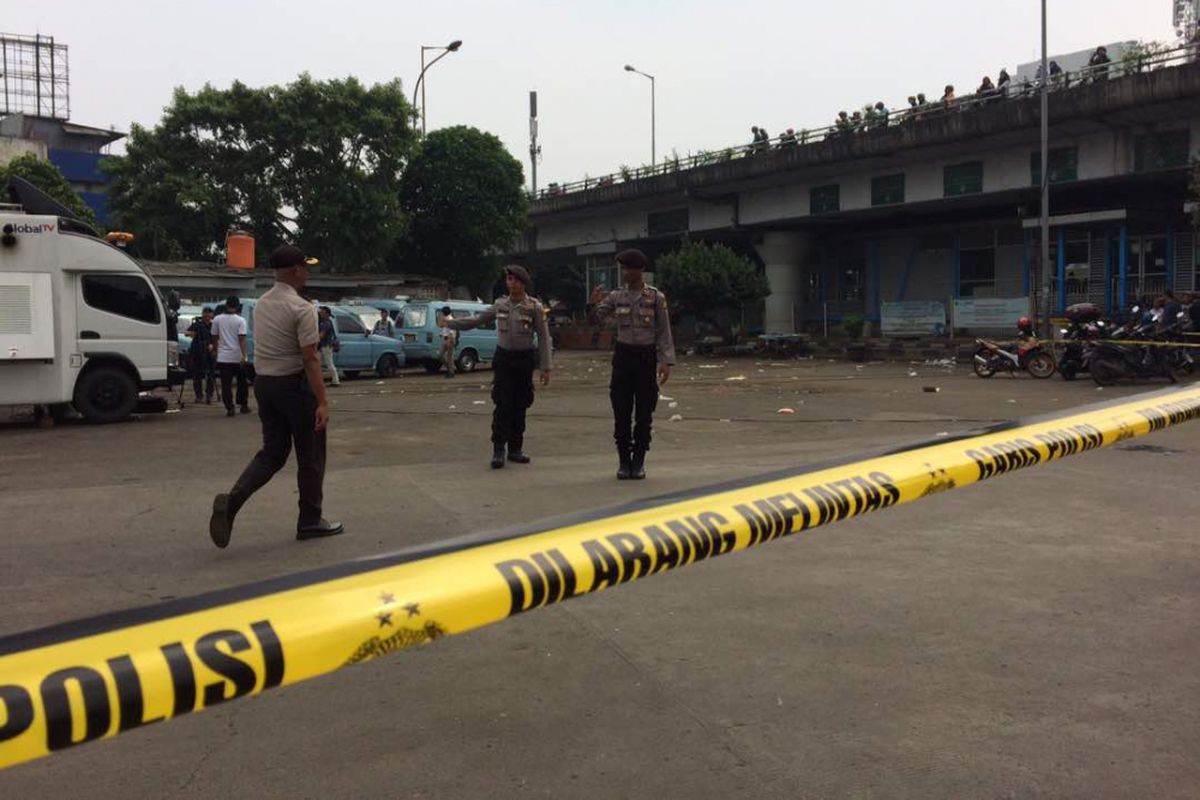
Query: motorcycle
(1110,362)
(1084,324)
(1025,354)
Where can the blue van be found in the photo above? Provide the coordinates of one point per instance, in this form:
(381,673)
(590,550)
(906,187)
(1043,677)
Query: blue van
(393,307)
(417,327)
(359,350)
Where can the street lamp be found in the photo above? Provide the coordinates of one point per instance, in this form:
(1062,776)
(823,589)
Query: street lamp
(1048,304)
(628,68)
(420,86)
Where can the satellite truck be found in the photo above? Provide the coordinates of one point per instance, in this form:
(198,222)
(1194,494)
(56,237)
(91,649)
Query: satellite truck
(82,326)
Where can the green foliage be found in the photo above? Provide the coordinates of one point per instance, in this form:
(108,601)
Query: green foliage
(314,162)
(463,196)
(46,177)
(853,325)
(701,278)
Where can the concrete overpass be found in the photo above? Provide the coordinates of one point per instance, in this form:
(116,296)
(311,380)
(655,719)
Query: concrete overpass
(932,206)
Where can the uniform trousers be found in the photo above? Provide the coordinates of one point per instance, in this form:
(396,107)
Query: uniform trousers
(512,395)
(287,409)
(633,391)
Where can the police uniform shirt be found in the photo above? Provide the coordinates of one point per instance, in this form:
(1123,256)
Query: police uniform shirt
(516,324)
(641,319)
(284,322)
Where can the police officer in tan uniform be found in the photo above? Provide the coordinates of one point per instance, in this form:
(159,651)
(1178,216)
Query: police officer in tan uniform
(518,318)
(644,347)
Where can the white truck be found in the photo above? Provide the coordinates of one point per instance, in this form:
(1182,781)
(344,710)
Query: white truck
(81,323)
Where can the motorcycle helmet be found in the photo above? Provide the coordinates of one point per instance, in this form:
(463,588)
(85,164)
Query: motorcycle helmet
(1024,324)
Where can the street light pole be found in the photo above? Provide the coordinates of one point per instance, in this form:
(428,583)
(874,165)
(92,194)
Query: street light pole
(653,156)
(420,87)
(1047,302)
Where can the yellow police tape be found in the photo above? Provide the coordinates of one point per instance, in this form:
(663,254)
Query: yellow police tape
(72,683)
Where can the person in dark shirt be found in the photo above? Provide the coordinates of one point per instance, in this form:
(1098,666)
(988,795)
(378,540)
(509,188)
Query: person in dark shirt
(202,356)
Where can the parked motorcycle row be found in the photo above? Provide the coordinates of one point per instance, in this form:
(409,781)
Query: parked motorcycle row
(1144,347)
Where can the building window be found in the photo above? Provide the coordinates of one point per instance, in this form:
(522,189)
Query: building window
(1161,150)
(850,280)
(977,272)
(963,178)
(824,199)
(125,295)
(887,190)
(1064,165)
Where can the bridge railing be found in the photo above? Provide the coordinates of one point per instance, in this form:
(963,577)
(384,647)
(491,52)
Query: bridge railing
(1136,60)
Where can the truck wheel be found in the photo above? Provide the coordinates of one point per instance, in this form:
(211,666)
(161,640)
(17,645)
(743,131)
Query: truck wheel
(105,394)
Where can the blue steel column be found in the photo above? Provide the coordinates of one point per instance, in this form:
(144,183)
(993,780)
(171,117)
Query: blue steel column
(957,268)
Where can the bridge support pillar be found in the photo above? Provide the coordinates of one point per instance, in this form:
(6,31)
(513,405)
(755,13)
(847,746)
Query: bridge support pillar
(783,255)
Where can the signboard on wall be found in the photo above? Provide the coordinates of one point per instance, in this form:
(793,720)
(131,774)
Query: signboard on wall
(989,312)
(913,318)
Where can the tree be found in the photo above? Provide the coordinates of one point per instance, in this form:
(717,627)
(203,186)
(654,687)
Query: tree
(46,177)
(701,279)
(464,198)
(316,163)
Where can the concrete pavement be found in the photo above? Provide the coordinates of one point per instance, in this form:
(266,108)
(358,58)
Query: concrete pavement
(1032,636)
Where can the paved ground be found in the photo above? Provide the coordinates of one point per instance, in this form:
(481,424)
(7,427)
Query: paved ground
(1035,636)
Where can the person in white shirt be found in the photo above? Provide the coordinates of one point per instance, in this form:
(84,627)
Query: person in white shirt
(449,341)
(229,331)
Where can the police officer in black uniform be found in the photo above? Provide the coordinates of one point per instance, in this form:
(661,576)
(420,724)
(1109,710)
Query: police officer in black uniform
(519,319)
(644,347)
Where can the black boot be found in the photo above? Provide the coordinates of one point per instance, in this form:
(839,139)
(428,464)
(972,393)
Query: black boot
(497,456)
(517,455)
(637,465)
(625,470)
(225,509)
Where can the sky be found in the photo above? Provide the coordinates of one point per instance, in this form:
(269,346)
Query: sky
(720,67)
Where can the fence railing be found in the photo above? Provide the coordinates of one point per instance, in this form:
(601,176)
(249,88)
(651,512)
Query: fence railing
(1135,61)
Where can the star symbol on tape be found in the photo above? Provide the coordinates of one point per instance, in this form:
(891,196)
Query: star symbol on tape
(385,618)
(387,598)
(413,609)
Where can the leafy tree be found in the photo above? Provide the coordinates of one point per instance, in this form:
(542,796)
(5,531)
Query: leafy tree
(46,177)
(314,162)
(701,279)
(463,195)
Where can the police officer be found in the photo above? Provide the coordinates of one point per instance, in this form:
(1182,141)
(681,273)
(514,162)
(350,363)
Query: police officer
(518,318)
(292,406)
(643,343)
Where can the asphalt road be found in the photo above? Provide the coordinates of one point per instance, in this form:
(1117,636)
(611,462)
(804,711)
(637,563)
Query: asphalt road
(1033,636)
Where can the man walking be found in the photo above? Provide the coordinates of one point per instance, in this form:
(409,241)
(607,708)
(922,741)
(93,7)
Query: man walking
(644,346)
(229,331)
(328,344)
(201,357)
(291,402)
(518,319)
(449,341)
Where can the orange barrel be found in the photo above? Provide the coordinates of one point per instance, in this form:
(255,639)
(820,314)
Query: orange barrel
(239,250)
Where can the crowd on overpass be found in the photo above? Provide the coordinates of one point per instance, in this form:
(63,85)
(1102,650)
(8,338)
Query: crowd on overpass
(877,116)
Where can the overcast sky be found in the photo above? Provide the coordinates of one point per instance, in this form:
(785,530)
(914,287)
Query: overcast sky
(720,66)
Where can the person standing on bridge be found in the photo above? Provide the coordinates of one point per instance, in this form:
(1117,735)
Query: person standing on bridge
(518,317)
(644,347)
